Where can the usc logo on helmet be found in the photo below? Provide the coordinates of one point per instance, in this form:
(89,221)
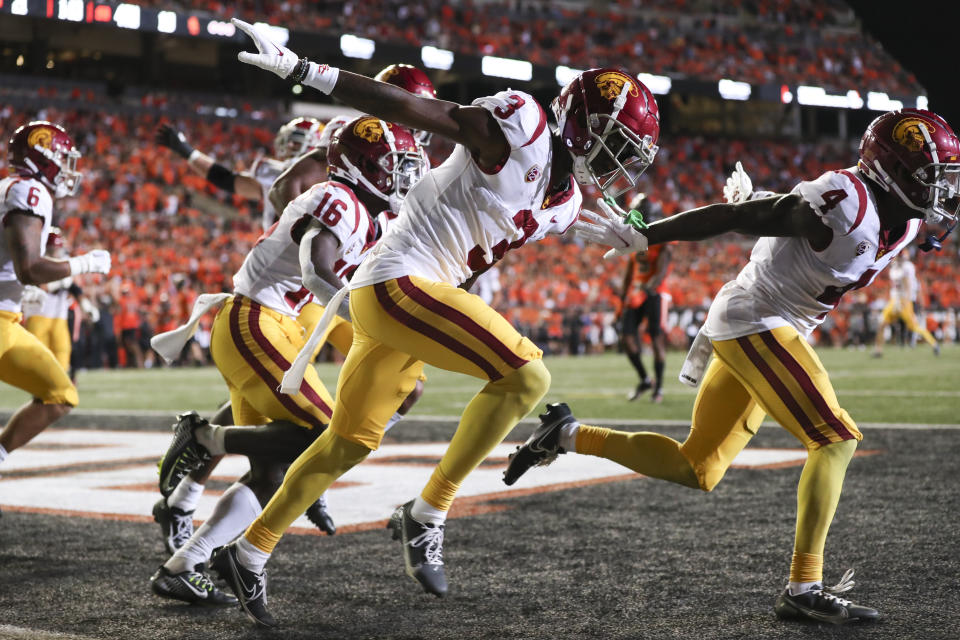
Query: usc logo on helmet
(369,129)
(40,136)
(611,84)
(908,133)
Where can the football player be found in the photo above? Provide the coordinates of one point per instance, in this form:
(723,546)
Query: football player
(644,299)
(43,160)
(509,181)
(295,139)
(47,318)
(824,238)
(904,288)
(317,243)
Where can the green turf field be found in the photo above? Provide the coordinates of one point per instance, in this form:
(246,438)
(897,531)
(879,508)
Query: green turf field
(905,386)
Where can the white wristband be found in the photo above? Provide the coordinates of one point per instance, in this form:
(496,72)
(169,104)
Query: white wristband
(194,155)
(321,77)
(78,265)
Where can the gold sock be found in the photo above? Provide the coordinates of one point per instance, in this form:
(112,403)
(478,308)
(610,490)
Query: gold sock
(261,537)
(648,453)
(806,567)
(590,440)
(440,491)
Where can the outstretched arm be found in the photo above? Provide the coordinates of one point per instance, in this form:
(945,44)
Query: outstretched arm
(473,127)
(23,231)
(244,185)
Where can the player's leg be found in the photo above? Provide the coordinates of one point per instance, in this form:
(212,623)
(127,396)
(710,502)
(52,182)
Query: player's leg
(629,339)
(787,379)
(27,364)
(60,342)
(910,319)
(656,309)
(724,419)
(887,318)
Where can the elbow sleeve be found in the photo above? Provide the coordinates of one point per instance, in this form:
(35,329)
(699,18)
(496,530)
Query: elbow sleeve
(221,177)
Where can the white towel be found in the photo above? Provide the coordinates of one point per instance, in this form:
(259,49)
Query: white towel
(697,359)
(170,343)
(293,378)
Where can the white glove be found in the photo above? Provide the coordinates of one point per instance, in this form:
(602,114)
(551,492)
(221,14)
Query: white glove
(33,296)
(739,187)
(270,56)
(609,228)
(97,261)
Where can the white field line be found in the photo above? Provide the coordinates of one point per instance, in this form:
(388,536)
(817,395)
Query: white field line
(8,631)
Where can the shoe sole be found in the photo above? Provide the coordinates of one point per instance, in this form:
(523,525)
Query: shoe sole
(168,469)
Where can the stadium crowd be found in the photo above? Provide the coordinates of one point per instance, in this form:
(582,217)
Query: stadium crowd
(758,41)
(174,236)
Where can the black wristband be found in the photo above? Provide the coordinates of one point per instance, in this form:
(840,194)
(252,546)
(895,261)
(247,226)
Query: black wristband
(221,177)
(300,71)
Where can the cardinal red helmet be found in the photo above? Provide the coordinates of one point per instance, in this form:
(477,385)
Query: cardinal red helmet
(415,81)
(333,125)
(297,137)
(46,152)
(610,123)
(379,157)
(915,154)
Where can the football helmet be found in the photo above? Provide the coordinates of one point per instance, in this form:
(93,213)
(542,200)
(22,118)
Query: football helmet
(380,157)
(415,81)
(297,137)
(610,123)
(915,154)
(333,125)
(46,152)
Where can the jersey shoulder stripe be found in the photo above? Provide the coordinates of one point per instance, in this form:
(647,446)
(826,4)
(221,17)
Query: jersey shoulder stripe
(861,198)
(540,126)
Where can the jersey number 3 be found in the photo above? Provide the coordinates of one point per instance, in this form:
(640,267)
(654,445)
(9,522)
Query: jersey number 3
(515,103)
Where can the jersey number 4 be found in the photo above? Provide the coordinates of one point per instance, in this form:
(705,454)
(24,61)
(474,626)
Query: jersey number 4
(831,199)
(525,222)
(831,296)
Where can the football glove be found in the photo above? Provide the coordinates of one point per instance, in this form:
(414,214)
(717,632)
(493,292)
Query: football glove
(33,296)
(174,140)
(739,187)
(97,261)
(608,228)
(270,56)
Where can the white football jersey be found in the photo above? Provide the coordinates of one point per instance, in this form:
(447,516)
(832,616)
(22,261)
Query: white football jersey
(30,196)
(786,282)
(459,219)
(903,281)
(266,171)
(271,271)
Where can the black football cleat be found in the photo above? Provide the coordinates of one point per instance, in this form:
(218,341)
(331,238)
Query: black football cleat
(318,514)
(184,454)
(824,605)
(176,524)
(422,549)
(642,386)
(543,446)
(249,587)
(194,587)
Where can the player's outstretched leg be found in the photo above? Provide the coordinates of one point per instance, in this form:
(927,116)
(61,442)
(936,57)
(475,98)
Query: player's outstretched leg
(824,604)
(184,453)
(250,587)
(422,549)
(543,446)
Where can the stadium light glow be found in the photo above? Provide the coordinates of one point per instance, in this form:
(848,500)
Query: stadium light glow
(166,22)
(356,47)
(880,101)
(222,29)
(818,97)
(277,34)
(659,85)
(434,58)
(733,90)
(19,7)
(922,102)
(565,75)
(127,16)
(71,10)
(506,68)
